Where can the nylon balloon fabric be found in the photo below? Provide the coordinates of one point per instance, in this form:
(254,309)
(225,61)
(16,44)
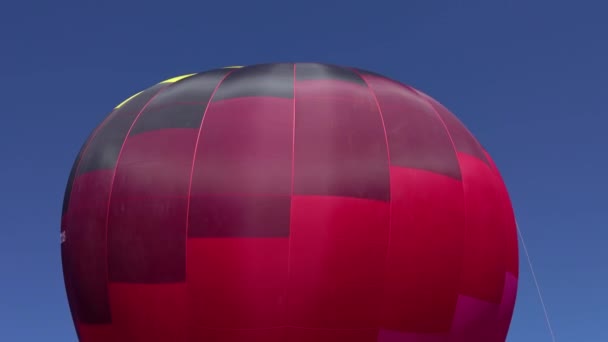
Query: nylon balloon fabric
(287,202)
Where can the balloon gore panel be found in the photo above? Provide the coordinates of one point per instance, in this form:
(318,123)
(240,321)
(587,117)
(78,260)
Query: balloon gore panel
(287,202)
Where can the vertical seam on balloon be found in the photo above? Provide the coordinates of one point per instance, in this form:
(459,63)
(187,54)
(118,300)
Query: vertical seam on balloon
(198,137)
(464,205)
(373,93)
(114,171)
(388,153)
(293,168)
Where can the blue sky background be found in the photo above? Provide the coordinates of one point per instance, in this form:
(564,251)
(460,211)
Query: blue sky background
(529,78)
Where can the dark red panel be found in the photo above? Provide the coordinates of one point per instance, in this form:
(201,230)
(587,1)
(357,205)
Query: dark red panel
(84,248)
(239,215)
(338,249)
(96,332)
(416,136)
(331,335)
(146,312)
(340,148)
(236,283)
(483,273)
(241,183)
(291,334)
(247,335)
(463,139)
(400,336)
(478,320)
(425,251)
(147,241)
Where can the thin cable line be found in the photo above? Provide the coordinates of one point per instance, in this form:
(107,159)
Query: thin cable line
(540,296)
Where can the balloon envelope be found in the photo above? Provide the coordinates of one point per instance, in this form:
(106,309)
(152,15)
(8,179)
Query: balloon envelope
(287,202)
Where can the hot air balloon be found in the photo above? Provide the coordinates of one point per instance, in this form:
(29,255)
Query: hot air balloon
(283,202)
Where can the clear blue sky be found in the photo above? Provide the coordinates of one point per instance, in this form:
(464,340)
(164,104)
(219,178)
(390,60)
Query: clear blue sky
(529,78)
